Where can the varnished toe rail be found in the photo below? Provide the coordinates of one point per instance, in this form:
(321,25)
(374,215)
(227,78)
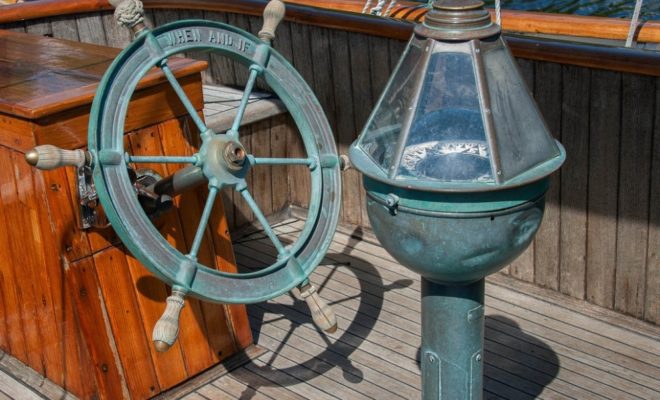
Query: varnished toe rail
(299,10)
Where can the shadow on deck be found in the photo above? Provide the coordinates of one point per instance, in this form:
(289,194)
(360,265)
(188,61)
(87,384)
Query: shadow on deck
(538,344)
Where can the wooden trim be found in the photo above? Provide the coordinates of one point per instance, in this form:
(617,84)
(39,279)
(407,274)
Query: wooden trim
(514,21)
(586,55)
(50,8)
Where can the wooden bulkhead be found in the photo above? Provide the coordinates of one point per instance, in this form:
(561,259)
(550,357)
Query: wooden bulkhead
(76,306)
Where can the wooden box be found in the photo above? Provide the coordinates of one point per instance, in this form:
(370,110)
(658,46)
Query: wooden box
(75,305)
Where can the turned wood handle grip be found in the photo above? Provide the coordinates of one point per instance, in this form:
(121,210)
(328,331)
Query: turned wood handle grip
(166,330)
(273,15)
(48,157)
(322,314)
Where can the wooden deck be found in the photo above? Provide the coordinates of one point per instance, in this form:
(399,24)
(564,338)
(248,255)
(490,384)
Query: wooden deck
(538,344)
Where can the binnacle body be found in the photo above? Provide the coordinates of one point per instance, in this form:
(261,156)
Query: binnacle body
(447,241)
(456,161)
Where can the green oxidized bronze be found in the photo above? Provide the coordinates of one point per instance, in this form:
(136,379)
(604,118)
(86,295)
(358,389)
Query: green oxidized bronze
(221,159)
(456,158)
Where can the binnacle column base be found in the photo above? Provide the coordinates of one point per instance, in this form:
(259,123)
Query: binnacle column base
(452,341)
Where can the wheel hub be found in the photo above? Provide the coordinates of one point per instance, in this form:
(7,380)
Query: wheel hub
(224,161)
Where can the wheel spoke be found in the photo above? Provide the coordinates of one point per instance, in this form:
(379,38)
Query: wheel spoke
(206,214)
(254,72)
(263,221)
(283,161)
(201,126)
(162,159)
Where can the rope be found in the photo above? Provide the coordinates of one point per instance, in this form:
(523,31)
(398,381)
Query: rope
(379,7)
(634,23)
(498,12)
(389,8)
(129,13)
(367,4)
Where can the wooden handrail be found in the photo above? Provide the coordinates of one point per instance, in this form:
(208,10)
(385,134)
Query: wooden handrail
(514,21)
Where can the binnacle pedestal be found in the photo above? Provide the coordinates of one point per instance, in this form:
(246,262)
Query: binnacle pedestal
(452,340)
(455,159)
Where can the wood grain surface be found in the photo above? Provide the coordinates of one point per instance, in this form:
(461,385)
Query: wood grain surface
(76,306)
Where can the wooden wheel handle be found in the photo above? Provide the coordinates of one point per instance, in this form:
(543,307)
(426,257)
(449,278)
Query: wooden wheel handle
(273,15)
(166,330)
(48,157)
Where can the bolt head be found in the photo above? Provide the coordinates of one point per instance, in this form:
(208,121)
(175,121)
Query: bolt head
(32,157)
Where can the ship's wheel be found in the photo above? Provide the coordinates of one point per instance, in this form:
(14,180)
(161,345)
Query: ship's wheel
(222,161)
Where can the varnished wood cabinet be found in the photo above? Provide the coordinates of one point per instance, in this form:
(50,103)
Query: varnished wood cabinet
(74,304)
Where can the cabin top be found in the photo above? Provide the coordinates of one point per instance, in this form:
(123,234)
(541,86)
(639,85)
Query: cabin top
(40,76)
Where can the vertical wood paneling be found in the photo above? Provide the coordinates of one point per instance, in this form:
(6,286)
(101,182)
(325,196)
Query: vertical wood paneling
(169,366)
(127,328)
(548,92)
(652,307)
(362,100)
(198,55)
(12,293)
(240,71)
(605,125)
(30,257)
(523,267)
(65,28)
(116,35)
(574,173)
(396,51)
(90,29)
(299,176)
(96,334)
(379,65)
(15,26)
(21,260)
(63,214)
(39,27)
(210,318)
(198,320)
(632,231)
(346,131)
(4,316)
(262,174)
(278,144)
(221,68)
(47,247)
(322,84)
(162,17)
(77,360)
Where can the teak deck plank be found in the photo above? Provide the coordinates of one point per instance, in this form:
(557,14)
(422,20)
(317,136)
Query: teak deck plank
(535,347)
(10,388)
(559,376)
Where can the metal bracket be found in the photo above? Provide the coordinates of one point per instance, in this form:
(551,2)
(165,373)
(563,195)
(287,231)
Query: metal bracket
(392,203)
(143,180)
(87,198)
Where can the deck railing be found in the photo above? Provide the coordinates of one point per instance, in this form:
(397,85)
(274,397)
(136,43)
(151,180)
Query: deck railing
(513,21)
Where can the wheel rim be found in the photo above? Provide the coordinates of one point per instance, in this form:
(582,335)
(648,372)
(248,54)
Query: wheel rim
(116,192)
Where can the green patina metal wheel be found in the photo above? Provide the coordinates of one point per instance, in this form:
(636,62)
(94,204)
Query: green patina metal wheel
(221,160)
